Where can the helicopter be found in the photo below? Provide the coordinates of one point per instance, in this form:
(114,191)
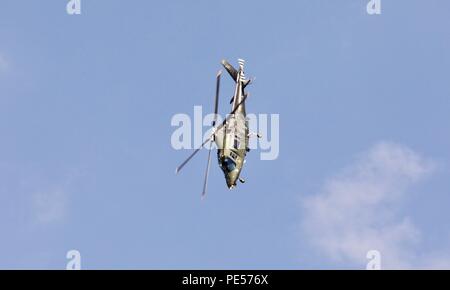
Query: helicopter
(232,135)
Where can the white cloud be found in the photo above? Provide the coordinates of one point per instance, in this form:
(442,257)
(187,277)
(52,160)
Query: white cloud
(359,210)
(50,206)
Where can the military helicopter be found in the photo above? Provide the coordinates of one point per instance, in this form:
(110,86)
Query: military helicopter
(232,135)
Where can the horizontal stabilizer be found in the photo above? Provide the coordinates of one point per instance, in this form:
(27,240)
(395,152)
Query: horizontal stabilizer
(230,69)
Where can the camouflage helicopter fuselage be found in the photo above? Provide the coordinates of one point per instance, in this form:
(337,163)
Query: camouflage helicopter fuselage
(232,135)
(233,138)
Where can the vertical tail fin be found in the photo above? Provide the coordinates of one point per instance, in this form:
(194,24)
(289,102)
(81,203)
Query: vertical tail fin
(234,73)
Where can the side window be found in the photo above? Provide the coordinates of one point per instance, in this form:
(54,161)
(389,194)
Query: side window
(236,143)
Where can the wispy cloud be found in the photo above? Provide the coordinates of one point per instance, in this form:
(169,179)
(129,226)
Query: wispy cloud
(359,210)
(31,198)
(50,206)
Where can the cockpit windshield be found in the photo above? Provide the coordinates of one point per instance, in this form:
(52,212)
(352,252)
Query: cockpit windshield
(229,164)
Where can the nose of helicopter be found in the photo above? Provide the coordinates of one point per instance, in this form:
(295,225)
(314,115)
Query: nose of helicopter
(231,178)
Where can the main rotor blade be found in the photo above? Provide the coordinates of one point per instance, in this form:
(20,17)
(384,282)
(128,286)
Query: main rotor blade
(216,102)
(190,157)
(205,183)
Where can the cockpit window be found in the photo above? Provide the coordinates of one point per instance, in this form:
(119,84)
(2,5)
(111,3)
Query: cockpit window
(229,164)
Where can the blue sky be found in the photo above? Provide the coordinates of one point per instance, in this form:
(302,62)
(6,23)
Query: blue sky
(86,161)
